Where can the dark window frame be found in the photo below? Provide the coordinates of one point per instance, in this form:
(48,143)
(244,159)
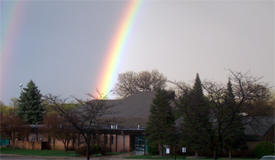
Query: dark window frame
(106,139)
(112,139)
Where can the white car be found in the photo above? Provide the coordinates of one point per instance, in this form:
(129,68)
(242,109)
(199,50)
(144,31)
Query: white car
(269,157)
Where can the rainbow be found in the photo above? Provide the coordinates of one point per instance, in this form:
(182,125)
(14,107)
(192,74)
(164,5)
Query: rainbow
(10,18)
(115,49)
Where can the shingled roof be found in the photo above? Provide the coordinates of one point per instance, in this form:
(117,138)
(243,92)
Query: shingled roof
(259,125)
(133,110)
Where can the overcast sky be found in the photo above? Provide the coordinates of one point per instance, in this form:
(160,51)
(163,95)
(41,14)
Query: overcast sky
(60,44)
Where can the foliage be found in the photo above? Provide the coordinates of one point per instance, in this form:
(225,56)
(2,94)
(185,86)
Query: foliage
(153,148)
(14,102)
(231,129)
(227,128)
(196,126)
(87,118)
(4,109)
(12,126)
(160,126)
(95,149)
(250,93)
(30,106)
(131,83)
(240,103)
(49,109)
(264,148)
(59,128)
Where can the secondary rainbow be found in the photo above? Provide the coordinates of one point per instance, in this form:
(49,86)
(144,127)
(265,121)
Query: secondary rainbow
(10,19)
(114,52)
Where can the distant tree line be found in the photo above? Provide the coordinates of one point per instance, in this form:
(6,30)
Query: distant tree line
(61,120)
(207,117)
(131,83)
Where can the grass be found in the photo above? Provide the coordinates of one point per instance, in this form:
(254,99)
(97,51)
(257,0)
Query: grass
(153,157)
(179,158)
(113,153)
(48,152)
(107,154)
(38,152)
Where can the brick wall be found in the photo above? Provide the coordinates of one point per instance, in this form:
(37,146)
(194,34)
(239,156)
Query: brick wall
(28,145)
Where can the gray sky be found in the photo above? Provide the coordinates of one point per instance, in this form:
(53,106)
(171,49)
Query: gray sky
(61,44)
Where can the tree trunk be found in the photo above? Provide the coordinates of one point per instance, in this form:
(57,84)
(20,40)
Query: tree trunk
(196,154)
(215,155)
(88,152)
(221,146)
(78,140)
(220,150)
(160,150)
(175,153)
(36,134)
(13,139)
(229,154)
(73,143)
(54,143)
(64,143)
(88,142)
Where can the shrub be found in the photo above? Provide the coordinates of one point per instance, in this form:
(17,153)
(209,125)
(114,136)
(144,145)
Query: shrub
(243,153)
(264,148)
(94,149)
(153,149)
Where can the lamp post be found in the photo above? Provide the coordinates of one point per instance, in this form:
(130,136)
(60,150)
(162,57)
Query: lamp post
(21,86)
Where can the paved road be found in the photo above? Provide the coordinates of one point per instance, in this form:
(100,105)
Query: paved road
(19,157)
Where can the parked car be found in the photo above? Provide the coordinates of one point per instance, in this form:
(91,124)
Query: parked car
(269,157)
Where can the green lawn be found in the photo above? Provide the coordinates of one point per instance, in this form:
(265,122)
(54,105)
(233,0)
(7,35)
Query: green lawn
(37,152)
(179,158)
(49,152)
(113,153)
(154,157)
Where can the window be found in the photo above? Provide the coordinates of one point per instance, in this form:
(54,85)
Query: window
(105,139)
(112,140)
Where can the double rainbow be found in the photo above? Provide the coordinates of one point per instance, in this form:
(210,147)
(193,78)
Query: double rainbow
(11,13)
(106,79)
(10,22)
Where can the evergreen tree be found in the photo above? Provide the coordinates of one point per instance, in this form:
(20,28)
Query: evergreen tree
(233,127)
(30,106)
(230,98)
(161,124)
(196,125)
(225,118)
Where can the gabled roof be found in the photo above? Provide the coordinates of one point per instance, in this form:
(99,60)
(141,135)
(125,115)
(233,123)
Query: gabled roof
(133,110)
(259,125)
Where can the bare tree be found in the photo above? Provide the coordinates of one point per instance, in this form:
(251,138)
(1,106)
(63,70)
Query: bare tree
(236,105)
(87,118)
(225,115)
(180,87)
(131,83)
(12,126)
(58,128)
(252,95)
